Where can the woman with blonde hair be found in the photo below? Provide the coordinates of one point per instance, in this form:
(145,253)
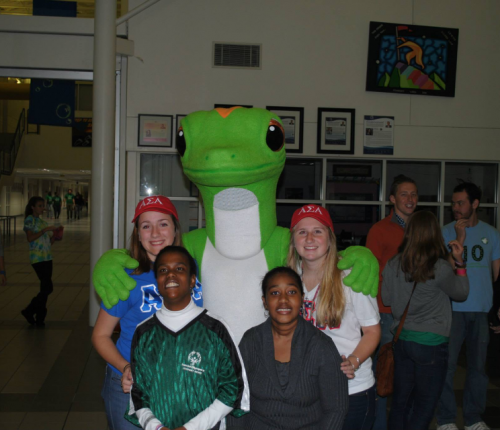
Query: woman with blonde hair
(350,319)
(421,275)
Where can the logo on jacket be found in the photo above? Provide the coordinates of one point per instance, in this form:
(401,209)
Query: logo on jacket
(194,359)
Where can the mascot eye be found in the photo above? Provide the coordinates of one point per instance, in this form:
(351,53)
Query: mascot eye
(180,141)
(275,138)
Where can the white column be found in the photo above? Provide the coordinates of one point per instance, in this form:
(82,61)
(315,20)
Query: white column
(103,138)
(40,188)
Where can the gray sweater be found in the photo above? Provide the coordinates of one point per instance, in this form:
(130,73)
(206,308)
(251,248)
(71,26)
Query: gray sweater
(430,307)
(316,396)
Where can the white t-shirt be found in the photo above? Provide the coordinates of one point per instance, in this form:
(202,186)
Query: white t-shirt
(360,311)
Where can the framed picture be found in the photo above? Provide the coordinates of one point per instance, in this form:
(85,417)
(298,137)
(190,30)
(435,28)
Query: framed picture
(412,59)
(155,130)
(293,123)
(335,131)
(31,128)
(219,105)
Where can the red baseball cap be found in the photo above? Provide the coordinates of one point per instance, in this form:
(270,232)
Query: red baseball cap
(312,211)
(155,204)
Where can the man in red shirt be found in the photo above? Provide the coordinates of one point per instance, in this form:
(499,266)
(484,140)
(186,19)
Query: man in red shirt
(383,240)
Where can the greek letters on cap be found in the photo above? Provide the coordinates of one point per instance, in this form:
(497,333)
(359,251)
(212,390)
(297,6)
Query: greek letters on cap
(310,209)
(150,201)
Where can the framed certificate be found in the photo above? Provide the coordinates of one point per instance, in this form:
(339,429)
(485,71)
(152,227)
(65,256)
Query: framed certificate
(335,131)
(155,130)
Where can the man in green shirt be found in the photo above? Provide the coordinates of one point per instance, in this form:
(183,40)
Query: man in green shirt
(70,203)
(48,202)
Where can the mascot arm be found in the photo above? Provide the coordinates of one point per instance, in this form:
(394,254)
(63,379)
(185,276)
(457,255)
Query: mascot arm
(364,274)
(276,248)
(110,281)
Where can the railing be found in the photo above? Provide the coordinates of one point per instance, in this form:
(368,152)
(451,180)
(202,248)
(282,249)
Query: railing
(8,155)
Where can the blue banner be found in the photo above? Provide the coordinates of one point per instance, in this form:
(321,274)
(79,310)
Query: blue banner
(54,8)
(52,102)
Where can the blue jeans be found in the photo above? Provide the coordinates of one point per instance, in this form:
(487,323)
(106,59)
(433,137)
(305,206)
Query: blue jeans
(419,374)
(115,402)
(361,411)
(380,423)
(473,328)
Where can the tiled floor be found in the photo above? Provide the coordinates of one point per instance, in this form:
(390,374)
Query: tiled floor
(51,378)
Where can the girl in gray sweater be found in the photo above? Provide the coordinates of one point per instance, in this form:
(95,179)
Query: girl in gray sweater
(421,353)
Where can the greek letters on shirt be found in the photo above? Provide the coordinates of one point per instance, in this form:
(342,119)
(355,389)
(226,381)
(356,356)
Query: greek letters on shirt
(150,298)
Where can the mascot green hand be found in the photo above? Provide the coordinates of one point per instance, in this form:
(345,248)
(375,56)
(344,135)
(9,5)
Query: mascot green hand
(364,274)
(111,282)
(235,158)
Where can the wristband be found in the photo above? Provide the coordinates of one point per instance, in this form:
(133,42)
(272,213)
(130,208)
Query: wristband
(159,426)
(462,272)
(462,264)
(357,359)
(125,368)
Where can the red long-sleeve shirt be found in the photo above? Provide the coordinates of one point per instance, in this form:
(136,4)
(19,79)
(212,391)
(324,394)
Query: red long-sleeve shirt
(383,240)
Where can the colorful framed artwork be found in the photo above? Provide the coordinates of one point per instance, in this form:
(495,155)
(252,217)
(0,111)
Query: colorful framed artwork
(412,59)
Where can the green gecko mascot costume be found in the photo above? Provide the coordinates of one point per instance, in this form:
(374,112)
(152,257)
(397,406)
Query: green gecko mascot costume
(235,158)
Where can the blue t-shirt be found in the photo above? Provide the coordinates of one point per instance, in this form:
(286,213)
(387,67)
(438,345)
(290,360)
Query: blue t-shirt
(143,301)
(481,248)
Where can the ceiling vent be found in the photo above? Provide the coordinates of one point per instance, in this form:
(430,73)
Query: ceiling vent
(241,55)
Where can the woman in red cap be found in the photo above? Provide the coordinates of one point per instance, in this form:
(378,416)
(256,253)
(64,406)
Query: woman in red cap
(156,225)
(335,309)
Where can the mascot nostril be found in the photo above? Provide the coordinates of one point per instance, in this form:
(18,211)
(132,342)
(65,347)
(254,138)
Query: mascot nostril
(275,138)
(180,142)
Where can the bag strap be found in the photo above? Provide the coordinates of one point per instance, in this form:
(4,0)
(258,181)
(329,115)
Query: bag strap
(401,323)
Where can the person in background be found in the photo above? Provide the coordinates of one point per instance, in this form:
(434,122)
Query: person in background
(69,198)
(481,244)
(48,202)
(349,319)
(421,352)
(384,239)
(40,242)
(57,202)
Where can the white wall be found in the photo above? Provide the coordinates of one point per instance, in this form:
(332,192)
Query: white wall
(314,55)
